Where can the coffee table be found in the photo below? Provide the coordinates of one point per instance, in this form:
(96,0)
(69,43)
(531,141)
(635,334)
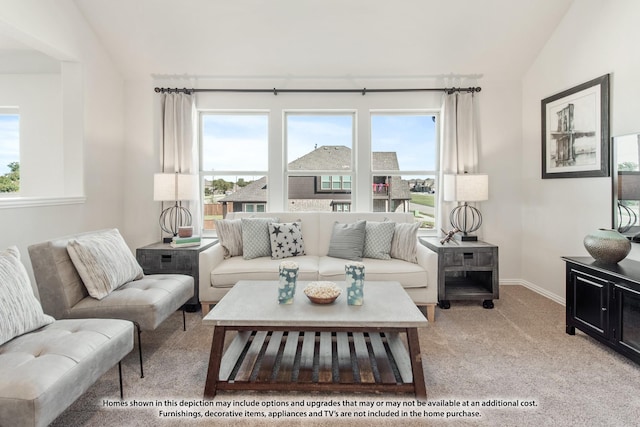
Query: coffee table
(312,347)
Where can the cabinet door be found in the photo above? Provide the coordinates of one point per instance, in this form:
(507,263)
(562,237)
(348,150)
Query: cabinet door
(627,332)
(590,305)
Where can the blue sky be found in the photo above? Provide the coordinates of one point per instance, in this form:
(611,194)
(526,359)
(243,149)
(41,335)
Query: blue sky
(238,142)
(9,141)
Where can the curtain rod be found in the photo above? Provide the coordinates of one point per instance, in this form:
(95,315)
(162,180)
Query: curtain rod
(363,91)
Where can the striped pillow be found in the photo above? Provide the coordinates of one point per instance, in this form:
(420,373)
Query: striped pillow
(229,232)
(104,262)
(20,310)
(347,240)
(404,242)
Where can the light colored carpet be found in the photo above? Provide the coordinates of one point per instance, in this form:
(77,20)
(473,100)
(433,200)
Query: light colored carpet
(516,351)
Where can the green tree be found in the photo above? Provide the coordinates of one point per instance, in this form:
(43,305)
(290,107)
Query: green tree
(221,185)
(10,182)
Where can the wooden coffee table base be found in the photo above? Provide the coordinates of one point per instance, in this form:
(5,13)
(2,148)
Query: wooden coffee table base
(316,359)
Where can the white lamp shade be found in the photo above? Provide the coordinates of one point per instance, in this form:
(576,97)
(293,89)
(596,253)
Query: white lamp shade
(174,187)
(466,187)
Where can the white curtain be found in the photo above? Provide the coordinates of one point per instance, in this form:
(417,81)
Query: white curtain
(459,150)
(179,152)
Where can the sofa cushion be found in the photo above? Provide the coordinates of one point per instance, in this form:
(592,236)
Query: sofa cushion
(286,239)
(404,242)
(20,310)
(347,240)
(229,232)
(255,237)
(148,301)
(408,274)
(377,239)
(104,262)
(229,272)
(45,371)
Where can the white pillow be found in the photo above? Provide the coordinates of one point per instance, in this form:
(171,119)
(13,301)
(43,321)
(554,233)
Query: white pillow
(104,262)
(20,310)
(286,239)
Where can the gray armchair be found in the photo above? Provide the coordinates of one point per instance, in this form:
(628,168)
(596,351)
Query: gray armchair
(146,302)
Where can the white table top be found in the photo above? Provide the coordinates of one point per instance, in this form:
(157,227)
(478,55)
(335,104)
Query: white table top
(255,303)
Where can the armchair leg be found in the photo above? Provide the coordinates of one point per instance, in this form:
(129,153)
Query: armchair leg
(139,349)
(184,318)
(120,376)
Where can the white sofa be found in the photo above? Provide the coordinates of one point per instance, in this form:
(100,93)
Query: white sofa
(218,275)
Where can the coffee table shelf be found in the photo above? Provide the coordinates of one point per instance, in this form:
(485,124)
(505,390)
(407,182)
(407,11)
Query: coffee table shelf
(315,358)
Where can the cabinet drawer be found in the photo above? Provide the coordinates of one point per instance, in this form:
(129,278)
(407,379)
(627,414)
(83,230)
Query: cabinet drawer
(166,261)
(475,258)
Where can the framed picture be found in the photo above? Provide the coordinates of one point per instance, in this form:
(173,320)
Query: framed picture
(575,131)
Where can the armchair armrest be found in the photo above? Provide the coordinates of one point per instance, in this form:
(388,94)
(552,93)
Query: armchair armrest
(428,260)
(208,260)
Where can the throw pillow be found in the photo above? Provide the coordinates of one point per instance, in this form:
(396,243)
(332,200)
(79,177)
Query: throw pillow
(20,310)
(286,239)
(347,240)
(104,262)
(377,239)
(255,237)
(404,242)
(230,234)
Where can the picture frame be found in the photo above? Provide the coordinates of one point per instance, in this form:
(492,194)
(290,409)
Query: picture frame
(575,131)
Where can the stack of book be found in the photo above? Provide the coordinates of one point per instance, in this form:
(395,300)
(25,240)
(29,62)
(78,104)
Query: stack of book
(183,242)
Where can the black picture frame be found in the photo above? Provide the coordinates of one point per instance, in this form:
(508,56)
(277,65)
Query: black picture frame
(575,131)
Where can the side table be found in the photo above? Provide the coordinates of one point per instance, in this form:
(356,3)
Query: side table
(466,271)
(161,258)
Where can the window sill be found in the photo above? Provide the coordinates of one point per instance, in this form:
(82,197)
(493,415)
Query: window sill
(28,202)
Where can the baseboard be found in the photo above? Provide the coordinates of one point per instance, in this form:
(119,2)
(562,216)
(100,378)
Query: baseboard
(535,288)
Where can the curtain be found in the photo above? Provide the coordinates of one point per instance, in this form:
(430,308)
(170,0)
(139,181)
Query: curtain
(179,152)
(459,150)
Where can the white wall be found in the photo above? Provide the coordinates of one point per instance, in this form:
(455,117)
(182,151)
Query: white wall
(57,24)
(595,37)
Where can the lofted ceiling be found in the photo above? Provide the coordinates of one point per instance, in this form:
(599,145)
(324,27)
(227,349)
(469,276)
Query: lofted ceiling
(323,38)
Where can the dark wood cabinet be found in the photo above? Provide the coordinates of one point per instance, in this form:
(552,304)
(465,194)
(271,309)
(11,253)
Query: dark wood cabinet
(161,258)
(603,301)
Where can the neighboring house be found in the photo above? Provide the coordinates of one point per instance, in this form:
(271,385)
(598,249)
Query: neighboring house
(327,192)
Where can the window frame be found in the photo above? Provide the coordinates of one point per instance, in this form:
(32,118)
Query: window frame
(12,111)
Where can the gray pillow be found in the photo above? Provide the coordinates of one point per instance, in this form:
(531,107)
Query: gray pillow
(404,242)
(20,310)
(229,232)
(347,240)
(377,239)
(256,241)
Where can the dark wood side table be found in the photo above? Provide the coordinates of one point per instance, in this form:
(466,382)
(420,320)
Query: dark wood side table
(161,258)
(466,271)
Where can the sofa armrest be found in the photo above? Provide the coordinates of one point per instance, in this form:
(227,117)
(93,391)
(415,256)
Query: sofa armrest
(428,260)
(208,260)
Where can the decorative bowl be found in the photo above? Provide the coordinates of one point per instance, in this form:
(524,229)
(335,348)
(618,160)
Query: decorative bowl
(322,292)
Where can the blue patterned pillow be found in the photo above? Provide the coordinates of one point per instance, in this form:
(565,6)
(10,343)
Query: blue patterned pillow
(255,237)
(286,239)
(377,239)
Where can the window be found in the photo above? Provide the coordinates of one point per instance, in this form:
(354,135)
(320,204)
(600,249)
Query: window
(9,151)
(404,162)
(233,163)
(316,160)
(319,142)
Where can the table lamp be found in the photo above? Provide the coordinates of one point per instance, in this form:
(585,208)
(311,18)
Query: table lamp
(465,188)
(174,187)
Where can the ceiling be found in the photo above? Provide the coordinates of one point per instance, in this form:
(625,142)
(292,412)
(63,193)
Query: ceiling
(323,38)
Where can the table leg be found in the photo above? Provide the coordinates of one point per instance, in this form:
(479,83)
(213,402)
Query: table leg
(416,363)
(213,372)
